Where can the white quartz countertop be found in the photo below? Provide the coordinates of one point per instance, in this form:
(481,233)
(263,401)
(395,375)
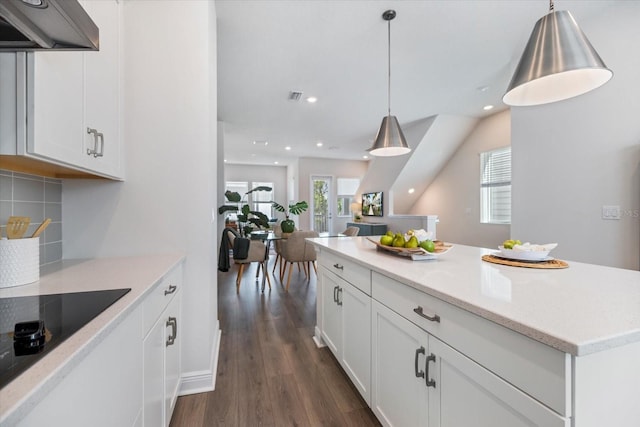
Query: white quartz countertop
(580,310)
(138,273)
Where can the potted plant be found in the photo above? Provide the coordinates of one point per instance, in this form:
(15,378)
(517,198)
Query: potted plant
(294,209)
(247,219)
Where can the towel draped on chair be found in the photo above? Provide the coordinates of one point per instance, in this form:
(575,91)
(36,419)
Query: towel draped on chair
(223,258)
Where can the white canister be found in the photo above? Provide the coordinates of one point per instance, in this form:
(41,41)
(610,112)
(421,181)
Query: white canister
(19,261)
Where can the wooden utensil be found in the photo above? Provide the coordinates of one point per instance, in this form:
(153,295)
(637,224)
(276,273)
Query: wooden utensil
(17,226)
(41,228)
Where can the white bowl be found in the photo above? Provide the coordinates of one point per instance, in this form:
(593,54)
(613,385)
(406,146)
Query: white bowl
(523,255)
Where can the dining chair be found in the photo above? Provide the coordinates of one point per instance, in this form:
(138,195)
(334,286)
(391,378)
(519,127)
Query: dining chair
(298,250)
(278,246)
(351,231)
(257,253)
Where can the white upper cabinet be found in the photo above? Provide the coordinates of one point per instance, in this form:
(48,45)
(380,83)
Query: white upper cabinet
(73,101)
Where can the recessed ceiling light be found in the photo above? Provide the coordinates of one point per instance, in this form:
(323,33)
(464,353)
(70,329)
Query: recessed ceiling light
(287,148)
(275,163)
(487,107)
(365,157)
(319,144)
(412,190)
(483,88)
(312,99)
(261,142)
(225,160)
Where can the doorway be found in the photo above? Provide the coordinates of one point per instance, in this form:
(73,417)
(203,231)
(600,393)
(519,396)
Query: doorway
(321,197)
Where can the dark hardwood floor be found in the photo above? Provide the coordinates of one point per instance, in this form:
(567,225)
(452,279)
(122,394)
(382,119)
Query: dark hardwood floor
(270,373)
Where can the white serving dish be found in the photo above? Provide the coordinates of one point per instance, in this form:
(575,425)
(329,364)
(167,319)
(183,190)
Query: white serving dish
(524,255)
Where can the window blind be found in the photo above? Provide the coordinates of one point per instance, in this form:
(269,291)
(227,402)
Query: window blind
(495,186)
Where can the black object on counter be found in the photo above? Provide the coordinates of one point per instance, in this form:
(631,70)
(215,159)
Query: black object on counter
(29,337)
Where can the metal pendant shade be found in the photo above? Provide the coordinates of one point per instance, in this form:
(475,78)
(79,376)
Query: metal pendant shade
(557,63)
(390,140)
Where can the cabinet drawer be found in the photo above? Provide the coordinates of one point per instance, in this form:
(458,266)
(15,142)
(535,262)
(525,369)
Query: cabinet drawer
(537,369)
(357,275)
(160,297)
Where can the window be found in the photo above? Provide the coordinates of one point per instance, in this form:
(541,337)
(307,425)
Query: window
(261,200)
(347,188)
(239,187)
(495,186)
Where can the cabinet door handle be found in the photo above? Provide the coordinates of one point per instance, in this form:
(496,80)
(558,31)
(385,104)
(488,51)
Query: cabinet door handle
(100,138)
(338,266)
(335,293)
(419,351)
(172,289)
(98,141)
(419,312)
(173,322)
(430,382)
(339,301)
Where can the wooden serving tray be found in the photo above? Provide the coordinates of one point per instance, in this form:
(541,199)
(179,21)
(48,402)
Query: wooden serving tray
(551,264)
(440,248)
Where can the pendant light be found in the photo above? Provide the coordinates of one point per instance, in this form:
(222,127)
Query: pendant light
(557,63)
(390,140)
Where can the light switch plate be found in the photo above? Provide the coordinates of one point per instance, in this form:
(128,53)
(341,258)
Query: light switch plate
(610,212)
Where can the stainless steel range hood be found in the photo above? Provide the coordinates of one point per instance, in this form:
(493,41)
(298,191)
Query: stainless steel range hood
(46,25)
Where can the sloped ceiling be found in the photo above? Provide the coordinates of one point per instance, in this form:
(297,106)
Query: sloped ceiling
(448,58)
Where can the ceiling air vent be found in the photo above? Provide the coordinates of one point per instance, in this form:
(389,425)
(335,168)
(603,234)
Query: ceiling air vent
(295,95)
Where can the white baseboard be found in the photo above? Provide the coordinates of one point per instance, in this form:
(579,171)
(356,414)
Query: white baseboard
(317,338)
(203,381)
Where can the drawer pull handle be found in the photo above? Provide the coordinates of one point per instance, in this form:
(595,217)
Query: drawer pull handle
(419,312)
(339,300)
(335,293)
(172,289)
(338,266)
(430,382)
(173,322)
(419,351)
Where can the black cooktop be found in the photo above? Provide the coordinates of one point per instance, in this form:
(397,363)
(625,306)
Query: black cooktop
(32,326)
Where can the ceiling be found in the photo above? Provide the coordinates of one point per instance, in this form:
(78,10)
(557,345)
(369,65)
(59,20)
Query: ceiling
(447,57)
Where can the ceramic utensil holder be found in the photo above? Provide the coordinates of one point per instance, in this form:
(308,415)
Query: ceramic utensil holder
(19,261)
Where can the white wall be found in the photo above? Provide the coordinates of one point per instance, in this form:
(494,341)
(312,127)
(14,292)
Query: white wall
(169,137)
(572,157)
(455,193)
(308,167)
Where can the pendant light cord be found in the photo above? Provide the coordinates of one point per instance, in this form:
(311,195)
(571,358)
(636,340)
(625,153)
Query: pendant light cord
(389,65)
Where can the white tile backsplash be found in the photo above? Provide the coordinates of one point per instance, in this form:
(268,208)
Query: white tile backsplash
(38,198)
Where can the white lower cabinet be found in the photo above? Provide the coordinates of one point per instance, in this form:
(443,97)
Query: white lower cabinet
(418,380)
(419,361)
(399,350)
(103,389)
(346,328)
(161,351)
(463,393)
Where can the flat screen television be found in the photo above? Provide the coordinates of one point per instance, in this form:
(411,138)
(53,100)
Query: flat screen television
(372,204)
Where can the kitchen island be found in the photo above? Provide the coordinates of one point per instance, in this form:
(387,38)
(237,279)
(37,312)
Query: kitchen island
(97,373)
(553,347)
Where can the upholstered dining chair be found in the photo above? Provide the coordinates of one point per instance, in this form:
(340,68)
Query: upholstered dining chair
(297,250)
(351,231)
(257,251)
(278,246)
